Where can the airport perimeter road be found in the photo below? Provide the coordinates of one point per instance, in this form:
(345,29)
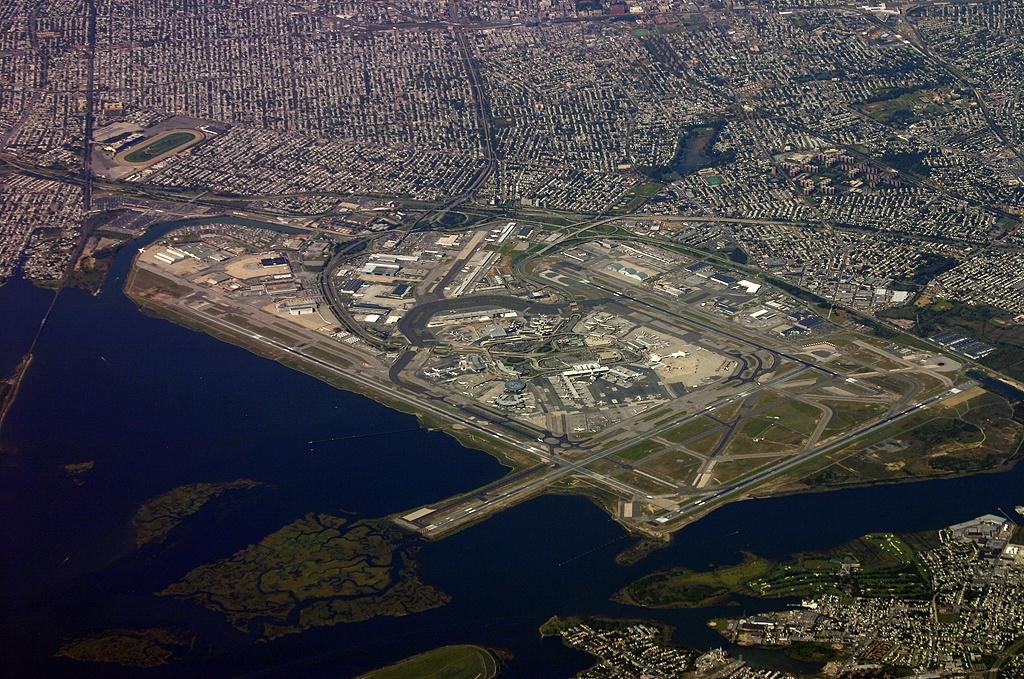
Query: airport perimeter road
(413,324)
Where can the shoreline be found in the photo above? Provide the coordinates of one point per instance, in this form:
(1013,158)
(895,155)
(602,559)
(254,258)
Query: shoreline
(469,435)
(14,383)
(429,422)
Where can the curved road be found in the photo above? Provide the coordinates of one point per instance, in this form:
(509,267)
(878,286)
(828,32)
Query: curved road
(414,323)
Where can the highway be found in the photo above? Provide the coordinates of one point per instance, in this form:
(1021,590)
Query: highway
(413,324)
(481,107)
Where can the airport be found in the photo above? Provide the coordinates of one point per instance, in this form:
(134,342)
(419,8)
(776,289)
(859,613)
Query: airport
(659,384)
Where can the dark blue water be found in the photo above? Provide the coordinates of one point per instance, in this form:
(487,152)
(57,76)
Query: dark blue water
(22,306)
(156,406)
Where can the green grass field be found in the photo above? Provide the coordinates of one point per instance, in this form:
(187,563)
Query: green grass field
(683,588)
(848,415)
(639,195)
(447,662)
(886,566)
(159,147)
(901,108)
(729,469)
(706,443)
(728,412)
(689,429)
(875,565)
(674,465)
(781,429)
(638,451)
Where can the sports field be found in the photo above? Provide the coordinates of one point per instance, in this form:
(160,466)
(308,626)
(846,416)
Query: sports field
(447,662)
(159,146)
